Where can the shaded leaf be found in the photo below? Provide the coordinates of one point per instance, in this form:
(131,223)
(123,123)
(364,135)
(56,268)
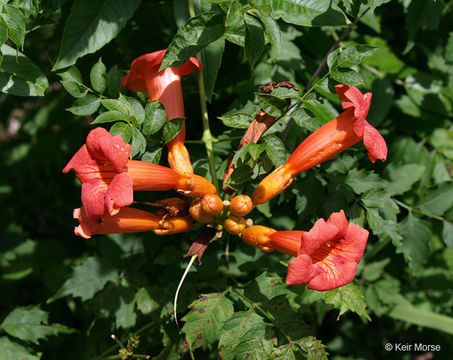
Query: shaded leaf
(171,128)
(14,351)
(86,105)
(275,149)
(254,39)
(13,22)
(72,81)
(110,116)
(238,120)
(155,115)
(212,55)
(19,75)
(91,25)
(98,76)
(194,36)
(416,238)
(438,201)
(30,324)
(87,279)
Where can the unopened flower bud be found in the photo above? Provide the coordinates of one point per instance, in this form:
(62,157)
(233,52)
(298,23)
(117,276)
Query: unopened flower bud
(197,213)
(258,236)
(241,205)
(234,224)
(211,204)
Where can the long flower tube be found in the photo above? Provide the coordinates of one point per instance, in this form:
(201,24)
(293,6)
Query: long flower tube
(109,178)
(326,257)
(164,86)
(130,220)
(330,139)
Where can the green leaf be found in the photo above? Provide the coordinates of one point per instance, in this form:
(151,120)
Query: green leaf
(125,130)
(171,128)
(91,25)
(87,279)
(374,270)
(243,337)
(138,144)
(323,111)
(314,348)
(354,55)
(98,76)
(248,153)
(449,48)
(347,76)
(198,32)
(373,4)
(155,115)
(270,27)
(14,351)
(203,324)
(152,156)
(275,149)
(13,21)
(86,105)
(305,12)
(237,120)
(271,105)
(254,39)
(363,181)
(385,229)
(144,299)
(402,177)
(240,175)
(212,55)
(447,234)
(423,317)
(349,297)
(416,239)
(303,119)
(114,78)
(110,116)
(30,324)
(437,201)
(234,23)
(421,13)
(19,75)
(72,81)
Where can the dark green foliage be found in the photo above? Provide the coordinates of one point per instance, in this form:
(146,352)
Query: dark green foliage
(61,65)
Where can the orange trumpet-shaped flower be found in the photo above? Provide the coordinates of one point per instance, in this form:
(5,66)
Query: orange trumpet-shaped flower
(164,86)
(108,177)
(330,139)
(129,220)
(326,257)
(329,254)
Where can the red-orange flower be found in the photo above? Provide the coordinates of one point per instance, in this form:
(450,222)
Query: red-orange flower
(330,139)
(101,167)
(108,177)
(129,220)
(164,86)
(329,254)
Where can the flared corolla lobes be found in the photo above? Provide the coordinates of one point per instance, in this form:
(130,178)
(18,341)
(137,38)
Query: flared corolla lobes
(100,165)
(329,254)
(360,103)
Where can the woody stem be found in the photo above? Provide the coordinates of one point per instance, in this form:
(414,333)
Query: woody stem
(207,138)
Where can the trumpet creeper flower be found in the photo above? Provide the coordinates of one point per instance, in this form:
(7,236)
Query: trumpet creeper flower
(330,139)
(109,178)
(164,86)
(329,254)
(129,220)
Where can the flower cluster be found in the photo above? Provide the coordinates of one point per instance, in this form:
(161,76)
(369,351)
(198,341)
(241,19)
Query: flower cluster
(325,257)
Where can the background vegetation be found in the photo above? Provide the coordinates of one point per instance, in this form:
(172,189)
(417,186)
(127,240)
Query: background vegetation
(63,296)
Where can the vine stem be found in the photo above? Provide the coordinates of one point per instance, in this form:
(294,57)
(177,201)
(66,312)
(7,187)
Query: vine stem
(207,138)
